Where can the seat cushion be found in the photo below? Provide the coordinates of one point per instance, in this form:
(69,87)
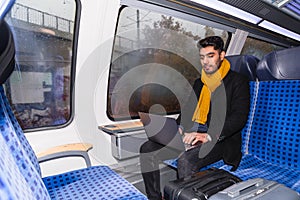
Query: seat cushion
(98,182)
(253,167)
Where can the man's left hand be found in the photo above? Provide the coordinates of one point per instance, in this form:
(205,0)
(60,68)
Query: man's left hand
(195,137)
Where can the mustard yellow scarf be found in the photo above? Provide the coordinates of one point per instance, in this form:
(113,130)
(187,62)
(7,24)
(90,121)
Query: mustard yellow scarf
(211,82)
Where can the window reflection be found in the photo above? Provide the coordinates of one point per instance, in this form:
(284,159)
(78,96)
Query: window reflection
(258,48)
(155,62)
(39,88)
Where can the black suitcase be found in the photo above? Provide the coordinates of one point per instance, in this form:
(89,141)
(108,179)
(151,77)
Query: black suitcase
(199,186)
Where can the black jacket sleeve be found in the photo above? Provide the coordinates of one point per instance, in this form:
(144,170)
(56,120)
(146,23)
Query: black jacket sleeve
(238,103)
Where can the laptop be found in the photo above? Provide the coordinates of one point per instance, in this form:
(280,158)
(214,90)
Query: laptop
(163,130)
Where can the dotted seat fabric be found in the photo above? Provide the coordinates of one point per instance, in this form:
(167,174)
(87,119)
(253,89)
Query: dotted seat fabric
(275,132)
(274,139)
(98,182)
(22,161)
(12,183)
(19,132)
(252,167)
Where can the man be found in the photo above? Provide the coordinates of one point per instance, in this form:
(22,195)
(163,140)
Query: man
(201,121)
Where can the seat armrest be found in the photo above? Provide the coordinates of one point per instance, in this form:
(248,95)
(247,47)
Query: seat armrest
(67,150)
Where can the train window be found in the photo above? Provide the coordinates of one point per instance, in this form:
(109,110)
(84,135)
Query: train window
(40,87)
(154,63)
(259,48)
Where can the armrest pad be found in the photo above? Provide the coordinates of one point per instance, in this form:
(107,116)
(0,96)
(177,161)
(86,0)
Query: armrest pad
(75,149)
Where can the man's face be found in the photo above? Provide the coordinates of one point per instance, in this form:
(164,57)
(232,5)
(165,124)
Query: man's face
(210,59)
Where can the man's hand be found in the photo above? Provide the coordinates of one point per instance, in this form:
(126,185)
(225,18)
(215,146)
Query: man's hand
(194,137)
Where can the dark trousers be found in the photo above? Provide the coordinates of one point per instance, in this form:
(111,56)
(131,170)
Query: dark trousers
(151,154)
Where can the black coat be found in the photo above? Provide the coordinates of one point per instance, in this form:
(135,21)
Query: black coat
(238,103)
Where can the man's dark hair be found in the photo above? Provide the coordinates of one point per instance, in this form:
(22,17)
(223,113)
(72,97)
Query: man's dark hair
(215,41)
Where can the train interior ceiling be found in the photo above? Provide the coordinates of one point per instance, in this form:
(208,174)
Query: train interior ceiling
(83,70)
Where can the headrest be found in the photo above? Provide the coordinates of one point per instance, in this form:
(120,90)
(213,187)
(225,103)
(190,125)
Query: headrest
(244,64)
(280,65)
(7,52)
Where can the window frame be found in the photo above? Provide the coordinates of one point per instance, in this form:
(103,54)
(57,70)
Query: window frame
(162,11)
(73,58)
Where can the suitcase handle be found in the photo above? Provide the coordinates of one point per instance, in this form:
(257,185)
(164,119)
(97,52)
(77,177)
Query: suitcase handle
(234,192)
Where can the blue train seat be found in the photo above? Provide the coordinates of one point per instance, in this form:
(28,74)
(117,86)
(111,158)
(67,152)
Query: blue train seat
(273,148)
(20,175)
(97,182)
(272,133)
(273,143)
(12,183)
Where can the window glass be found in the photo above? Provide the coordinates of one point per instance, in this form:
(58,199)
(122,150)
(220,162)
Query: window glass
(258,48)
(155,62)
(39,88)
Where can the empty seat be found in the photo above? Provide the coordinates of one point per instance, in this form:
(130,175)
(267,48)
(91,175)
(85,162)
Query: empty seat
(279,65)
(273,142)
(20,176)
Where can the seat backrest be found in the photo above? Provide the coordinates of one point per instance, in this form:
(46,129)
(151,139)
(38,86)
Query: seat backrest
(14,138)
(19,132)
(280,65)
(21,159)
(244,64)
(12,183)
(275,132)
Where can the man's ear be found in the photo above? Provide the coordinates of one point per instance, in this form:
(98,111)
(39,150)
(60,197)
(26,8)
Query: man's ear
(222,55)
